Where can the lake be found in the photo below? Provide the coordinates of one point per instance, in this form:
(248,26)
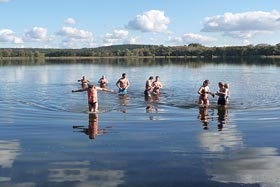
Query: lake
(47,137)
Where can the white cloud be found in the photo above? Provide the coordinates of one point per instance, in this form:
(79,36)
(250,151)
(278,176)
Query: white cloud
(151,21)
(3,1)
(7,35)
(115,37)
(175,40)
(74,33)
(36,34)
(243,25)
(70,21)
(75,38)
(191,38)
(132,40)
(196,38)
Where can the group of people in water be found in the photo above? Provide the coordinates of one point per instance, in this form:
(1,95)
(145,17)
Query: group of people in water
(222,93)
(152,87)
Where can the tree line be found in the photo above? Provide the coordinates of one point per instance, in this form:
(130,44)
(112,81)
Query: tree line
(193,50)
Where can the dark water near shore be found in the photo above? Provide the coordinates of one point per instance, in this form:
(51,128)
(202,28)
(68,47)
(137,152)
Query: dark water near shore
(175,144)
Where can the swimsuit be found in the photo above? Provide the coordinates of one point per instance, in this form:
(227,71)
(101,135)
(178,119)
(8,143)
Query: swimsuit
(222,100)
(123,91)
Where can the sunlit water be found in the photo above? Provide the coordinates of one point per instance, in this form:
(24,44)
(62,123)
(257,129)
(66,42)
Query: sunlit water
(175,144)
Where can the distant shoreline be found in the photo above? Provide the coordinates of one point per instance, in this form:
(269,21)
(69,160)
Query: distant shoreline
(134,57)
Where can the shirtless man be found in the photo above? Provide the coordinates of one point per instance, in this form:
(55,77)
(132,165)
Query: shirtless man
(92,96)
(149,87)
(84,82)
(123,84)
(103,82)
(156,85)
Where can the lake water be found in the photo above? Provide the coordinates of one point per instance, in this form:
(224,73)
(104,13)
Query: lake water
(45,141)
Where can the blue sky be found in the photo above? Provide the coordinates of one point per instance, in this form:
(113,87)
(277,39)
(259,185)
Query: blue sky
(92,23)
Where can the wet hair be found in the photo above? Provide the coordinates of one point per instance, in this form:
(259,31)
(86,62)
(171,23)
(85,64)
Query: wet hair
(124,74)
(151,77)
(221,83)
(90,85)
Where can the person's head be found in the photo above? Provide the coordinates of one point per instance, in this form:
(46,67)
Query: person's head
(221,84)
(123,75)
(157,77)
(151,78)
(90,85)
(206,83)
(226,85)
(103,76)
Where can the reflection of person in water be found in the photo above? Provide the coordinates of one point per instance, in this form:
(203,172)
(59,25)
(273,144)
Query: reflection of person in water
(222,117)
(203,116)
(124,101)
(92,131)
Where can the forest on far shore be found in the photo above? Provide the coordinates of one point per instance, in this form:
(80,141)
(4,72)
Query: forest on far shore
(193,50)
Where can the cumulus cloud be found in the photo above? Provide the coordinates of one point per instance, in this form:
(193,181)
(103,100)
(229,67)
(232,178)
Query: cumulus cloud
(75,38)
(36,34)
(196,38)
(175,40)
(243,25)
(132,40)
(191,38)
(74,33)
(7,35)
(151,21)
(70,21)
(115,37)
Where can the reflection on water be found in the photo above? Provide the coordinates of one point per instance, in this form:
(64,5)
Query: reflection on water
(203,116)
(81,174)
(249,166)
(223,116)
(93,130)
(9,150)
(159,140)
(226,137)
(124,101)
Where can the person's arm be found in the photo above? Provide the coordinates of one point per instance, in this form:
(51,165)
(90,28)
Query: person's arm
(209,92)
(199,90)
(128,84)
(80,90)
(117,84)
(105,90)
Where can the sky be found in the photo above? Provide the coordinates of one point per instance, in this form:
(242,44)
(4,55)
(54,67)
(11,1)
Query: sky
(94,23)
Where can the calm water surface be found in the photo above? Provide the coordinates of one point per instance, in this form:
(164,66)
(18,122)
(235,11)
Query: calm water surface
(175,144)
